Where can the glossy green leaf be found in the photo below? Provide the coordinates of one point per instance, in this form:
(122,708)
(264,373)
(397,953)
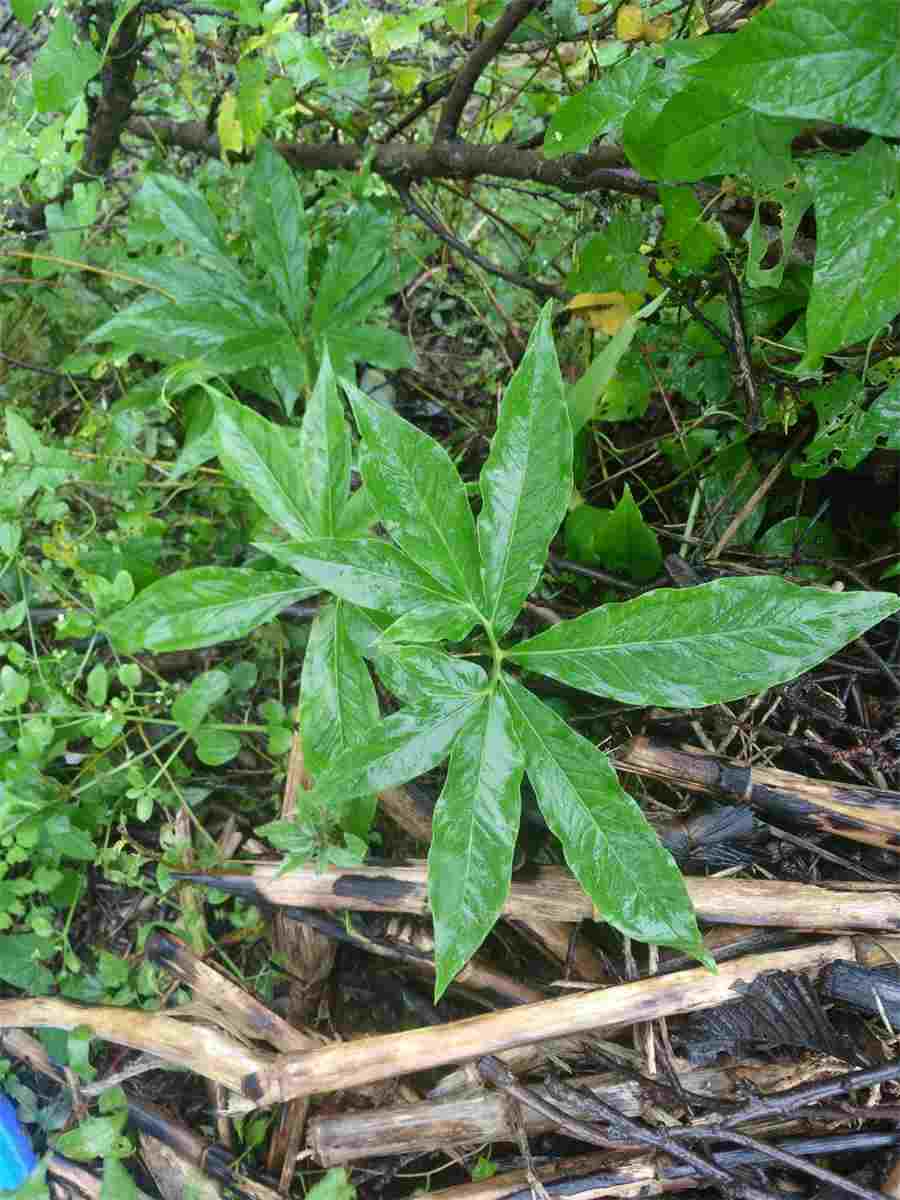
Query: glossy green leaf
(186,215)
(583,397)
(687,237)
(801,537)
(370,344)
(357,516)
(856,286)
(280,241)
(216,746)
(611,261)
(709,132)
(325,446)
(526,482)
(421,673)
(62,67)
(475,825)
(611,850)
(360,271)
(403,746)
(201,607)
(375,574)
(618,539)
(256,454)
(643,127)
(825,60)
(597,107)
(338,705)
(847,431)
(191,708)
(686,647)
(418,494)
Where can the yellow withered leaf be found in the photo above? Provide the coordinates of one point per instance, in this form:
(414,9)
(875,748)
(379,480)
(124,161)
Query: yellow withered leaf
(657,30)
(629,23)
(228,127)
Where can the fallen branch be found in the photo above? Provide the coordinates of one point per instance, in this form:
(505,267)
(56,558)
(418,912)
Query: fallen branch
(183,1043)
(552,893)
(352,1064)
(474,1120)
(863,814)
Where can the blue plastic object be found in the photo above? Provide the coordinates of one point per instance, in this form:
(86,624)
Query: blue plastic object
(17,1159)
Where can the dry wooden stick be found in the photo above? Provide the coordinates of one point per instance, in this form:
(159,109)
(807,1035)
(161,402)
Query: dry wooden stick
(310,956)
(474,1120)
(863,814)
(239,1006)
(552,892)
(182,1042)
(354,1063)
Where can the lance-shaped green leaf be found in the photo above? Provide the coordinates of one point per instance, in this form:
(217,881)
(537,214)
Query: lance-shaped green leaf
(325,445)
(202,607)
(401,747)
(280,242)
(682,648)
(417,492)
(258,455)
(475,825)
(421,673)
(526,482)
(610,848)
(338,705)
(376,575)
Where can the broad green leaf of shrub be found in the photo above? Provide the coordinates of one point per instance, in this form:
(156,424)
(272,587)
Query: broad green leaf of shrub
(526,481)
(417,583)
(726,488)
(186,215)
(325,454)
(202,607)
(62,68)
(609,847)
(256,454)
(338,704)
(824,60)
(847,432)
(192,706)
(599,107)
(418,494)
(856,285)
(618,539)
(682,648)
(643,129)
(280,239)
(708,132)
(611,260)
(476,821)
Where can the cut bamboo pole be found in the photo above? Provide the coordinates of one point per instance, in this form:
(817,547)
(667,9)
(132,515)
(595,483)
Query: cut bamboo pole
(184,1043)
(354,1063)
(487,1117)
(863,814)
(551,892)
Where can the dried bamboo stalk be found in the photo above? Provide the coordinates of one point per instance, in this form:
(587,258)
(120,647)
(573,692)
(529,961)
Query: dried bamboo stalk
(354,1063)
(553,893)
(863,814)
(208,1052)
(241,1007)
(420,1128)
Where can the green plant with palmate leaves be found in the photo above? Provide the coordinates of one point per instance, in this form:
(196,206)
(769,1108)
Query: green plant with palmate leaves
(443,575)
